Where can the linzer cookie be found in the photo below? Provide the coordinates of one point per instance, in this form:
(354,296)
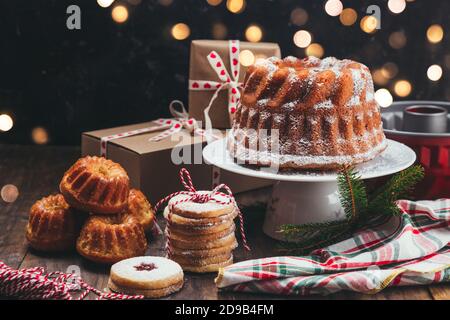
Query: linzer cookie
(152,277)
(200,227)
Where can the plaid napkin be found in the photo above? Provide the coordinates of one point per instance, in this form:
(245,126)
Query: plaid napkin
(411,249)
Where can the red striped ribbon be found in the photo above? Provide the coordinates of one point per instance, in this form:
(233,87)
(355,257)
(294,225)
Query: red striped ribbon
(227,81)
(168,127)
(34,283)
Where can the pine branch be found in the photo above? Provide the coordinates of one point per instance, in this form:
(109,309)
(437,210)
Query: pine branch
(323,237)
(355,202)
(352,193)
(309,231)
(295,229)
(399,186)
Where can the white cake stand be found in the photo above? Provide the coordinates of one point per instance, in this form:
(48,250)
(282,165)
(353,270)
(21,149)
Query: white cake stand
(306,196)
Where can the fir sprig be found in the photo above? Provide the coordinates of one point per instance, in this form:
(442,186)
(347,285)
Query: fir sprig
(399,186)
(352,193)
(310,236)
(359,207)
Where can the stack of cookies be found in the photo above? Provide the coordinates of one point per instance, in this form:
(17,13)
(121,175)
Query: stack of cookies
(201,235)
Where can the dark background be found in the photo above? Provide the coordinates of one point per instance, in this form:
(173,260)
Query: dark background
(109,74)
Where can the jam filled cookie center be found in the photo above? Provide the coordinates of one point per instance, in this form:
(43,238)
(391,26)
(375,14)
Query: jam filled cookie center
(146,267)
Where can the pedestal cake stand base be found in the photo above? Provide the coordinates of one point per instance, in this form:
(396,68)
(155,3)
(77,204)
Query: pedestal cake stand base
(307,196)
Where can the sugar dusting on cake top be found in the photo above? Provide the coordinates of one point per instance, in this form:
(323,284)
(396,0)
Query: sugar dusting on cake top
(360,75)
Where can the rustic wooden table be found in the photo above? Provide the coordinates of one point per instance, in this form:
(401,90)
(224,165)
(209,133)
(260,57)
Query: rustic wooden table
(36,171)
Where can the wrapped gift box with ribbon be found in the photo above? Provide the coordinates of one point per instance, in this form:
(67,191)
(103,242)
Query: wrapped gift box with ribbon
(216,73)
(152,153)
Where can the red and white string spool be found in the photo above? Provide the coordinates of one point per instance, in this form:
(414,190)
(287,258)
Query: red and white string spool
(34,283)
(195,196)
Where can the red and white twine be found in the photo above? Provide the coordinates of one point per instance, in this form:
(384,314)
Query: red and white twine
(180,121)
(195,196)
(34,283)
(227,80)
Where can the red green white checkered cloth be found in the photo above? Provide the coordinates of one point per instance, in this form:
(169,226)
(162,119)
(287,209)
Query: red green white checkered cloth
(411,249)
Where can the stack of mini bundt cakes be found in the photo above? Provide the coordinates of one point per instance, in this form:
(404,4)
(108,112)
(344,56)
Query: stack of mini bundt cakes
(117,217)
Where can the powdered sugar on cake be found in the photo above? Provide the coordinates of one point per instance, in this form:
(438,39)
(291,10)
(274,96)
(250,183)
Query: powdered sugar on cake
(319,120)
(266,158)
(327,104)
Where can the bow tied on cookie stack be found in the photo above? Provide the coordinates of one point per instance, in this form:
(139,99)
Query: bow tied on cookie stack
(200,226)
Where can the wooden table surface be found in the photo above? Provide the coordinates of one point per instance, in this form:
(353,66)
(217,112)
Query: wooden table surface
(36,171)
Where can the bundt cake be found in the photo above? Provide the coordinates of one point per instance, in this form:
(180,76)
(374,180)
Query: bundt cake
(52,224)
(139,207)
(97,185)
(111,238)
(307,114)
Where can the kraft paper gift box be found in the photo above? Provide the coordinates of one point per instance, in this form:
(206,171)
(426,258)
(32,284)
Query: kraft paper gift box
(202,72)
(149,164)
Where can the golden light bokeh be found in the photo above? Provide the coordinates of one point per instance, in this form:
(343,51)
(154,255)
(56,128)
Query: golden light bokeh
(253,33)
(219,31)
(39,135)
(383,97)
(435,33)
(315,50)
(402,88)
(6,122)
(302,38)
(379,78)
(348,16)
(299,16)
(333,7)
(104,3)
(119,14)
(434,72)
(214,2)
(396,6)
(389,70)
(246,58)
(368,24)
(180,31)
(9,193)
(397,39)
(236,6)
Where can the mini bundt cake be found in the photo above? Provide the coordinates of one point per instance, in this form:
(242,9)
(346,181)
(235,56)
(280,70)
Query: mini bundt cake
(317,114)
(111,238)
(139,207)
(97,185)
(52,225)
